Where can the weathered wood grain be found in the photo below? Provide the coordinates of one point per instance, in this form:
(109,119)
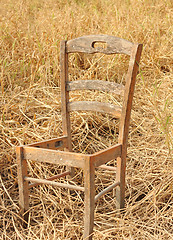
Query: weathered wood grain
(64,94)
(95,106)
(23,185)
(96,85)
(125,120)
(106,190)
(89,203)
(106,155)
(55,143)
(66,124)
(109,168)
(85,44)
(56,184)
(54,156)
(51,178)
(39,152)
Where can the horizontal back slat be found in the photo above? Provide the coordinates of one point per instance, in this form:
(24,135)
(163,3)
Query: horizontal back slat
(85,44)
(95,106)
(96,85)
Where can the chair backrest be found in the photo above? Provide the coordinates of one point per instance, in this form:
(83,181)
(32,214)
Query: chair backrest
(87,44)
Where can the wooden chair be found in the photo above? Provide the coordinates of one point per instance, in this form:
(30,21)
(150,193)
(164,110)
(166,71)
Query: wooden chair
(59,151)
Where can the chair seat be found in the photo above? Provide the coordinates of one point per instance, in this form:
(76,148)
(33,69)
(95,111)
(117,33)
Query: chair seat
(50,151)
(50,155)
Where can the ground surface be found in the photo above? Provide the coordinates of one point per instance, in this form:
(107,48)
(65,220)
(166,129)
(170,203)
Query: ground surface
(30,33)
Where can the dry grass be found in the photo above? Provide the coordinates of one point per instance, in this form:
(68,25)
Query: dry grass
(30,33)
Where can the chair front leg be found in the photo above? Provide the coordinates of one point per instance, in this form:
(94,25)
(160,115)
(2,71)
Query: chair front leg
(23,185)
(89,175)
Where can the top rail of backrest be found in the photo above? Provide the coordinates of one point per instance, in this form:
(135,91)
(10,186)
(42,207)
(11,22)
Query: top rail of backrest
(86,44)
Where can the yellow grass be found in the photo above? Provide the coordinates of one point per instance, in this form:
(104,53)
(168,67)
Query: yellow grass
(30,34)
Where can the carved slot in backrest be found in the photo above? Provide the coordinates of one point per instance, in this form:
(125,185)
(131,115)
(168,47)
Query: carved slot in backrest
(107,45)
(99,45)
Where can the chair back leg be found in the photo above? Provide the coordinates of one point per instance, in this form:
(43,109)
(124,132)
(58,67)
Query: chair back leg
(120,177)
(72,172)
